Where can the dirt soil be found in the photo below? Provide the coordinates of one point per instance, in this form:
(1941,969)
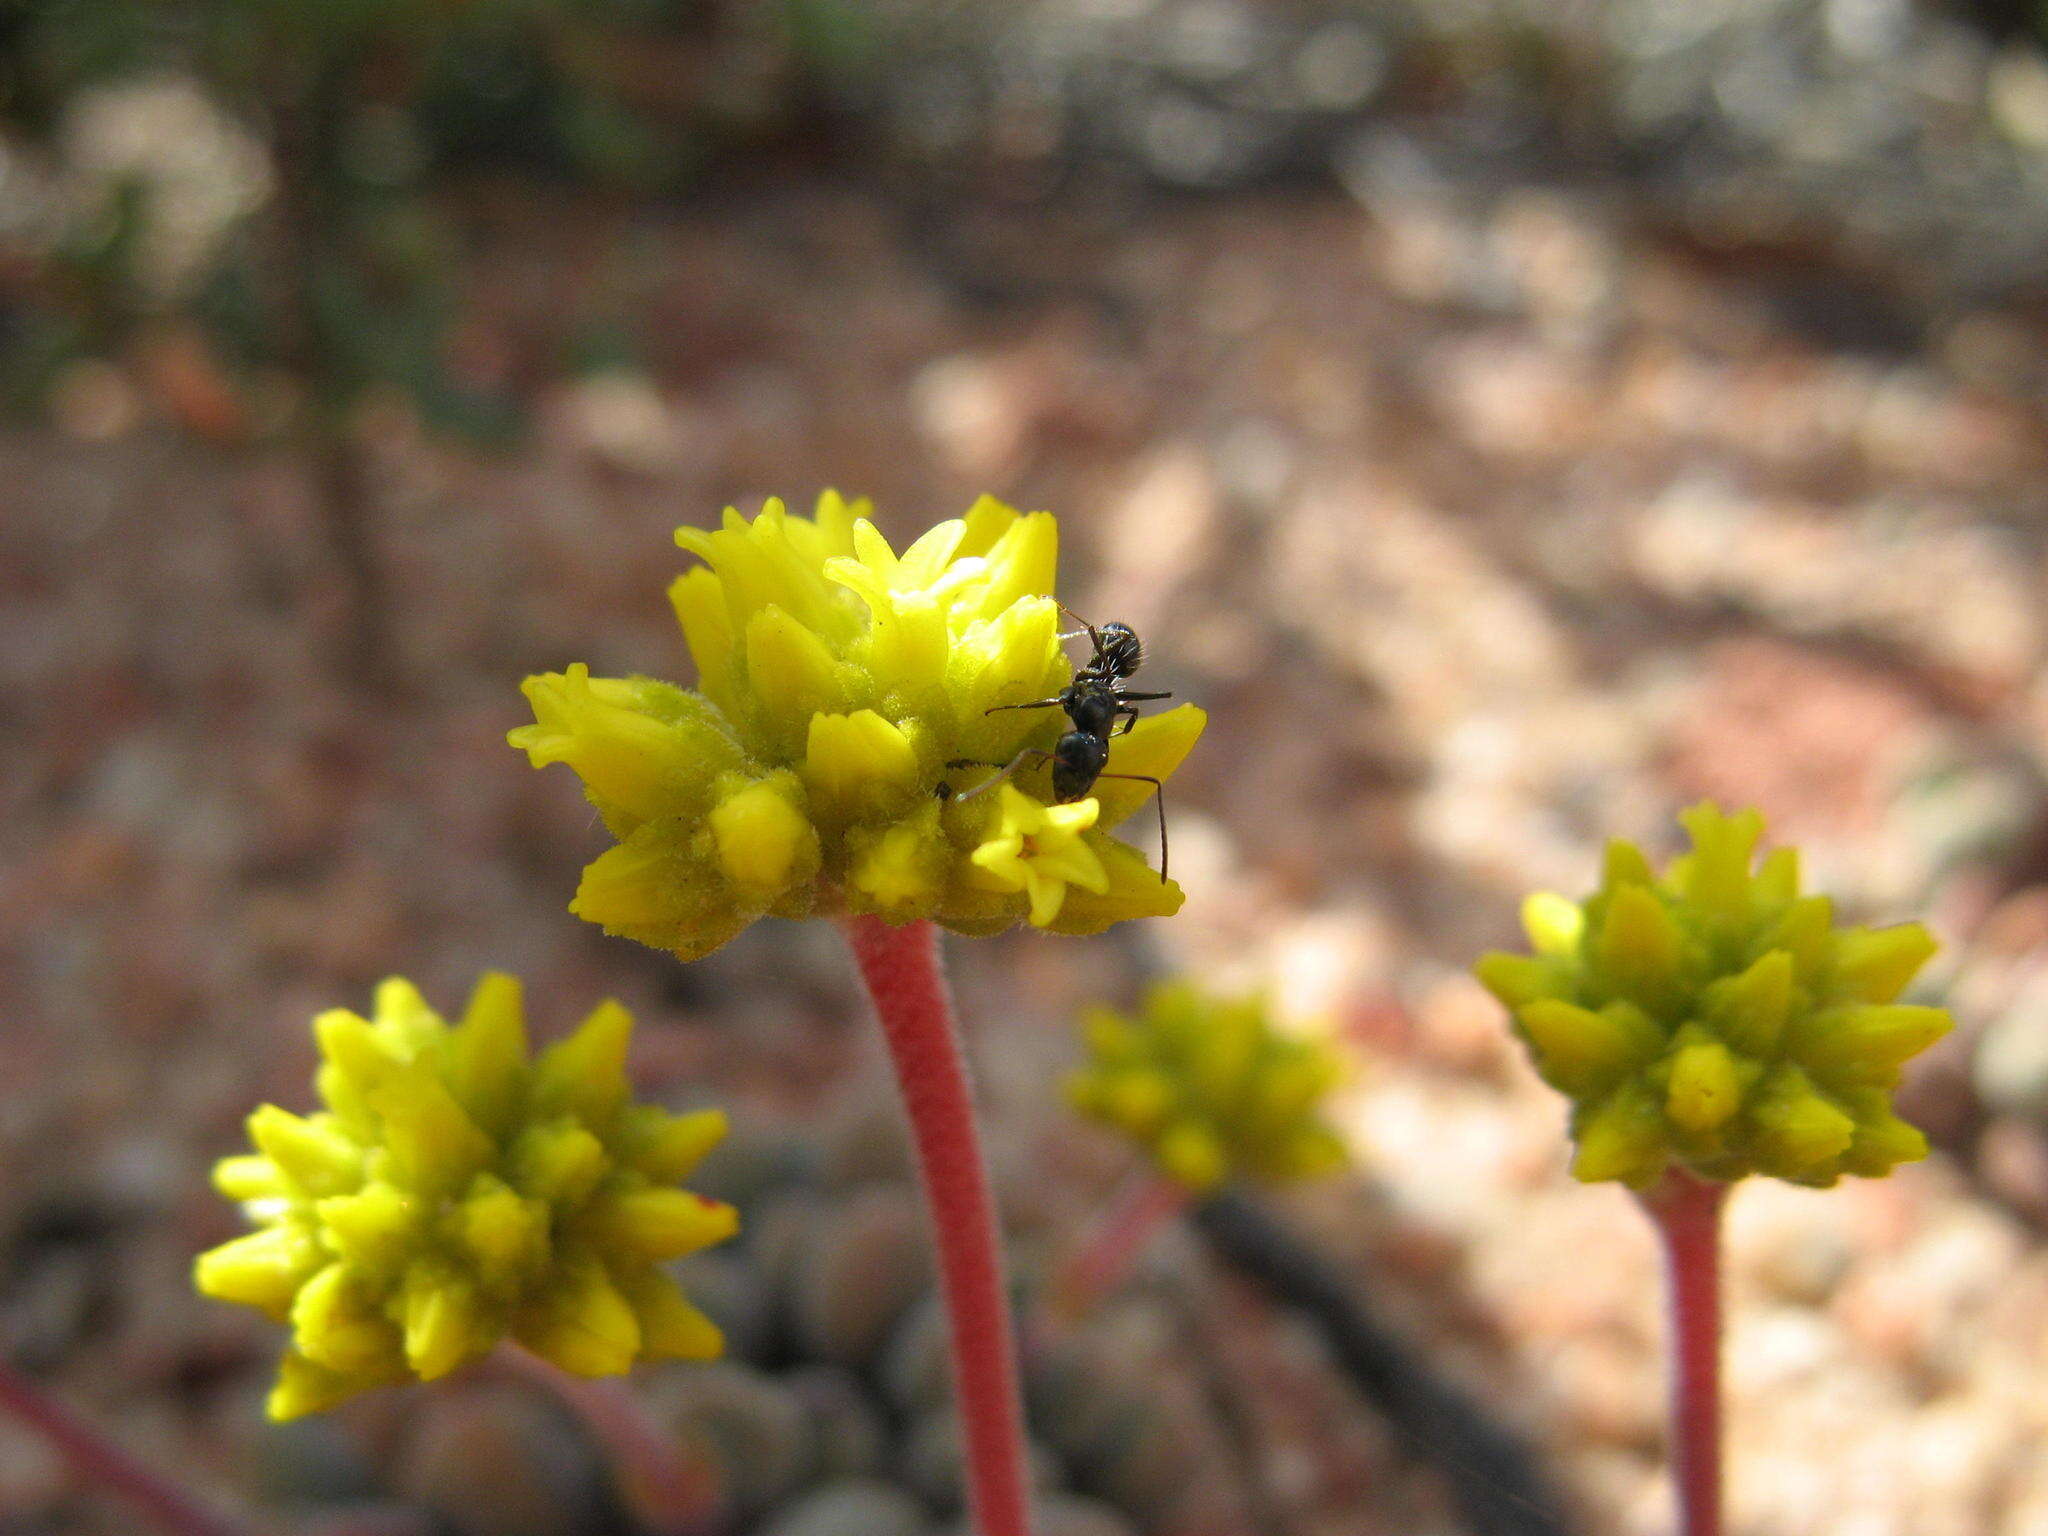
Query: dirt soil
(1483,533)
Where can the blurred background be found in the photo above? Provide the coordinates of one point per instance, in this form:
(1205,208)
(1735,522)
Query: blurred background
(1512,419)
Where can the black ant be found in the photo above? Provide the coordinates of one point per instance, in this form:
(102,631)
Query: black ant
(1095,702)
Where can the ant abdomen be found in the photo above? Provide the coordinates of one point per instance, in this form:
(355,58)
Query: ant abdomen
(1077,762)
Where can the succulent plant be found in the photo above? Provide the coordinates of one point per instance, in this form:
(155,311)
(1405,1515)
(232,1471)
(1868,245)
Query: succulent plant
(1716,1018)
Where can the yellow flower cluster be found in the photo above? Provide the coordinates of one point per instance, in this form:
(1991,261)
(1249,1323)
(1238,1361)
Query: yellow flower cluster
(1715,1018)
(808,774)
(454,1192)
(1209,1088)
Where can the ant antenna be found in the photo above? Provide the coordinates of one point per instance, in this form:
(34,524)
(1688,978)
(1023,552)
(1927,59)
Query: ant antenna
(1085,629)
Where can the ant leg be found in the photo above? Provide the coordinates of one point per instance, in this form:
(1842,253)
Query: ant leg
(1034,704)
(1127,711)
(996,778)
(1159,802)
(1130,715)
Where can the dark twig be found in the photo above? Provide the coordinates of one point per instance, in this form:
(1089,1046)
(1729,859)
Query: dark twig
(1493,1477)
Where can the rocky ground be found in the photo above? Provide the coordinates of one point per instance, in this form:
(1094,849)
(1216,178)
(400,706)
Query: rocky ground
(1485,526)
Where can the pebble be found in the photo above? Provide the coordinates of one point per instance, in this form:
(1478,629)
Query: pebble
(500,1464)
(314,1460)
(2010,1064)
(864,1264)
(916,1370)
(1067,1515)
(757,1430)
(1794,1242)
(852,1436)
(854,1507)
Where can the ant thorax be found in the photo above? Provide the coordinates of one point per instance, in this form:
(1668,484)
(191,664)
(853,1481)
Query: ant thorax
(1091,706)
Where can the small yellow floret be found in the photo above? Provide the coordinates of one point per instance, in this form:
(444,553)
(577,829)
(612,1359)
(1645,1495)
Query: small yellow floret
(860,765)
(900,868)
(1706,1086)
(1714,1018)
(455,1192)
(1038,849)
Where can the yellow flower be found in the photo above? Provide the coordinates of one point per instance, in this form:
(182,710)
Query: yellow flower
(453,1192)
(1715,1018)
(813,770)
(1210,1089)
(1039,849)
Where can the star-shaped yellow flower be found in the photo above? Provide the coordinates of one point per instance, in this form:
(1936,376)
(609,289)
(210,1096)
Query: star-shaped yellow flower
(1038,849)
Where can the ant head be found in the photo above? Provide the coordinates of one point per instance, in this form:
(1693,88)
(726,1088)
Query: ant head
(1118,652)
(1119,649)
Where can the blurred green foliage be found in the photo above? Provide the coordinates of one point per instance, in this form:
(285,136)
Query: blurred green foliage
(349,276)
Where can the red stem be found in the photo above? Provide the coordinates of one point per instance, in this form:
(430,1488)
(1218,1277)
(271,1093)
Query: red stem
(1101,1261)
(96,1459)
(1687,1212)
(668,1490)
(900,964)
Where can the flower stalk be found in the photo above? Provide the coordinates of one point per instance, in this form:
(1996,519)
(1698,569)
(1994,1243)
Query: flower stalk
(668,1490)
(1105,1256)
(1710,1022)
(851,705)
(97,1460)
(900,966)
(1687,1214)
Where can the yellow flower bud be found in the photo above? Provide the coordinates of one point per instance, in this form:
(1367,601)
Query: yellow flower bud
(763,837)
(635,742)
(1706,1085)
